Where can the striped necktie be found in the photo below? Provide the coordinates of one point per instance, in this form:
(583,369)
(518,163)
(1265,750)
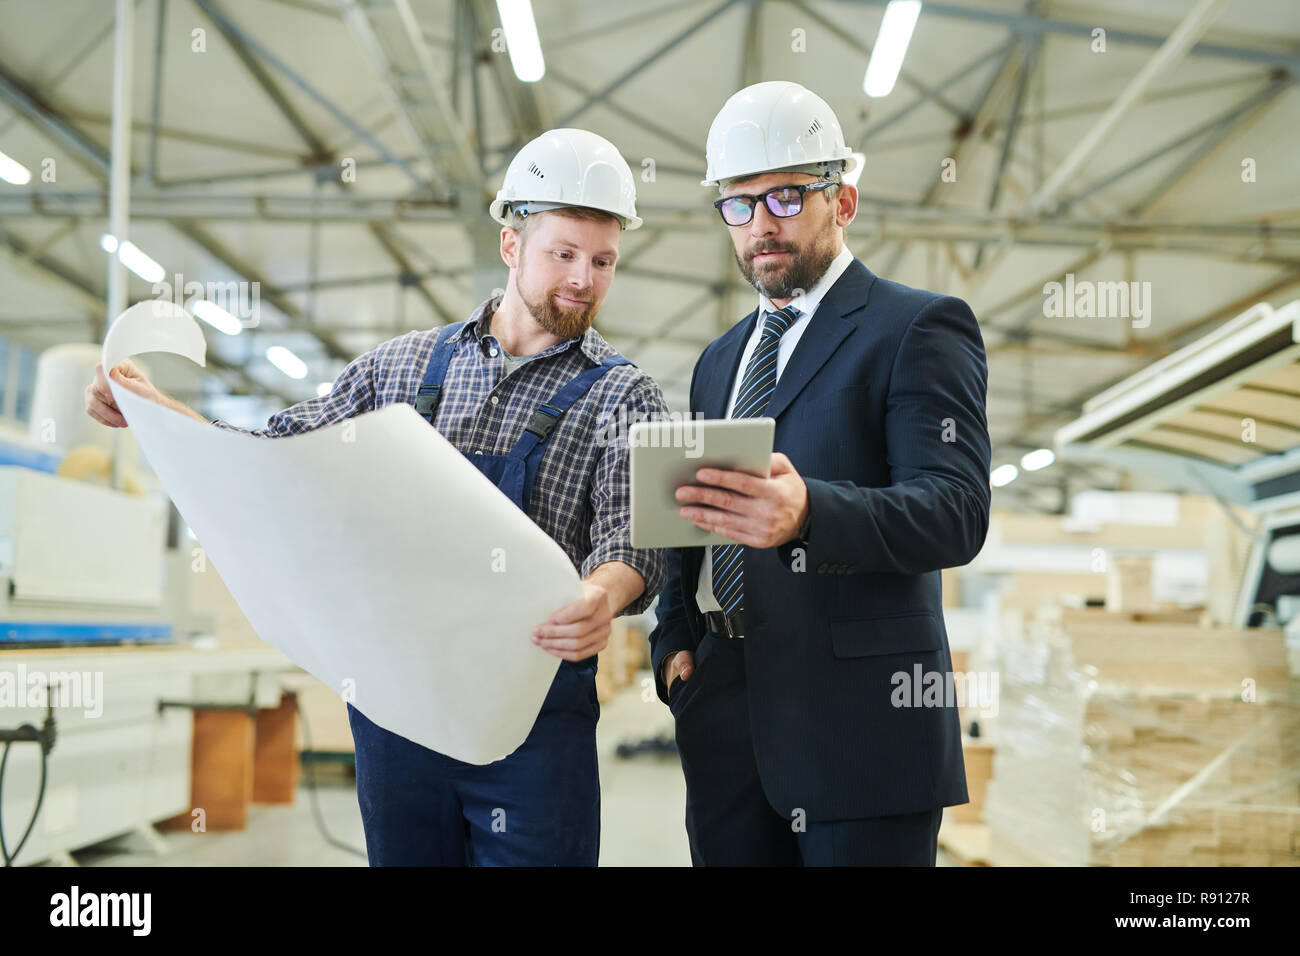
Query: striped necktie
(756,390)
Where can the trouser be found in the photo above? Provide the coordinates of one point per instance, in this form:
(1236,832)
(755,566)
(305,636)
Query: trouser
(728,818)
(540,806)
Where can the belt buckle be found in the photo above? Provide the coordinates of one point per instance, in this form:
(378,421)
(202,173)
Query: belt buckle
(724,628)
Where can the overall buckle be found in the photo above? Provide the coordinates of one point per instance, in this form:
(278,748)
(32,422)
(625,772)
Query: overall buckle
(426,401)
(543,421)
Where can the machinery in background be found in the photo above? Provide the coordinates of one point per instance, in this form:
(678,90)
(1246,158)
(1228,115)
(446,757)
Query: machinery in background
(1219,416)
(83,547)
(95,607)
(82,564)
(16,448)
(27,733)
(1270,588)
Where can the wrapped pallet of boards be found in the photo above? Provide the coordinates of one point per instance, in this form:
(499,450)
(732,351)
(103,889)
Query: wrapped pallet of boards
(1146,744)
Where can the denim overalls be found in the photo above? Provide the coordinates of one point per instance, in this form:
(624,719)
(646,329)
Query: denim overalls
(540,806)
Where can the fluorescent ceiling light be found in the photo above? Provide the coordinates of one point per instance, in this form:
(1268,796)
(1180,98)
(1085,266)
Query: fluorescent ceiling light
(324,388)
(1003,475)
(134,258)
(1037,460)
(12,171)
(521,39)
(217,317)
(891,46)
(286,361)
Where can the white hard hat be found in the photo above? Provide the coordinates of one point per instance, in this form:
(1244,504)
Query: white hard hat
(771,126)
(568,167)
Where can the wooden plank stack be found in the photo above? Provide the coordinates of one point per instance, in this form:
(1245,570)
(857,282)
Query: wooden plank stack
(1148,744)
(1130,582)
(1202,525)
(978,756)
(627,653)
(1244,812)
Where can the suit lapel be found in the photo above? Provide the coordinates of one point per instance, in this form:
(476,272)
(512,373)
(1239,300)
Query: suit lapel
(715,390)
(827,329)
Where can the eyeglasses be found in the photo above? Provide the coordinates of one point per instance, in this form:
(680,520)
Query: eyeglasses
(782,202)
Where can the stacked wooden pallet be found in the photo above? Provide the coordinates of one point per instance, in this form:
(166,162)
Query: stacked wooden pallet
(1217,780)
(1051,560)
(978,756)
(1124,743)
(627,653)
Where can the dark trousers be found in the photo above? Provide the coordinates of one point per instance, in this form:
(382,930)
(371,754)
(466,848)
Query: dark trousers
(728,818)
(538,807)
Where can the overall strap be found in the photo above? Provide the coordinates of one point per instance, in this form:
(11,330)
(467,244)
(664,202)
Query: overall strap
(430,393)
(547,415)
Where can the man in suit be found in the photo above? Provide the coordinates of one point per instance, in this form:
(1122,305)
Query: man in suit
(790,659)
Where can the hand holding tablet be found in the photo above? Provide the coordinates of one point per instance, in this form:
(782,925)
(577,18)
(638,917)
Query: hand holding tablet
(667,454)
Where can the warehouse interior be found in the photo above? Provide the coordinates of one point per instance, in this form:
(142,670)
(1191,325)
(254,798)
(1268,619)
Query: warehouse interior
(1110,186)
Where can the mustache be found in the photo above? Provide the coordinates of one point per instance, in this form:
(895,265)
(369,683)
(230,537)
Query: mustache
(586,299)
(763,247)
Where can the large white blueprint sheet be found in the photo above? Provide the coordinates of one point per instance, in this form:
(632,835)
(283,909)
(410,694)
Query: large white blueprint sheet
(371,552)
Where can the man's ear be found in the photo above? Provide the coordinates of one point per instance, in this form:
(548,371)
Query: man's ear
(510,242)
(846,204)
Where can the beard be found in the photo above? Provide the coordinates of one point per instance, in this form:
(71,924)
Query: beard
(799,274)
(566,323)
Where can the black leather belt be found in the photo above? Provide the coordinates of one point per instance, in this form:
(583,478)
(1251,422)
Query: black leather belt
(726,625)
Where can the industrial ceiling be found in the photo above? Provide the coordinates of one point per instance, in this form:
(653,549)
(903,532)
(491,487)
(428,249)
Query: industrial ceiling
(1020,147)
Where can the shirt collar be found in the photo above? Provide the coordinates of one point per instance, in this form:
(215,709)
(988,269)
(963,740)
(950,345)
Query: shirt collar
(480,324)
(808,302)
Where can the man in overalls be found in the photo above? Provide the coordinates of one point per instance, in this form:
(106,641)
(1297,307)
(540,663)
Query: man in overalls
(526,389)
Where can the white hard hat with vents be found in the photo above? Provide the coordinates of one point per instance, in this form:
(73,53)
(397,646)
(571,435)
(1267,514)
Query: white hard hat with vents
(568,167)
(777,125)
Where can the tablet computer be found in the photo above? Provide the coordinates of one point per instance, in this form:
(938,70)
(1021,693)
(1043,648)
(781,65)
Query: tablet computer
(666,454)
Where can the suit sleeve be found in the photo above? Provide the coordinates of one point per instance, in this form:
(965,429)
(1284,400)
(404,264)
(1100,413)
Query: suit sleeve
(935,512)
(672,631)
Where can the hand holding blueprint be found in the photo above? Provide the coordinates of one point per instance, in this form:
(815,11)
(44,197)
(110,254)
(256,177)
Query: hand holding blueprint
(371,553)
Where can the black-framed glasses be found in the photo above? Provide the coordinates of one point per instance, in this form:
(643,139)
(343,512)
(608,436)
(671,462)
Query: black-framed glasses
(782,202)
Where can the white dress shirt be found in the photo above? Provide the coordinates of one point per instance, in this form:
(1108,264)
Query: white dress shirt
(807,305)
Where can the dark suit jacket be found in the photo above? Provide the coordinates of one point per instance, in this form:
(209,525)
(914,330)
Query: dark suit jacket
(881,410)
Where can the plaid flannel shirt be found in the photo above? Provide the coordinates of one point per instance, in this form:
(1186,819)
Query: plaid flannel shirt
(581,496)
